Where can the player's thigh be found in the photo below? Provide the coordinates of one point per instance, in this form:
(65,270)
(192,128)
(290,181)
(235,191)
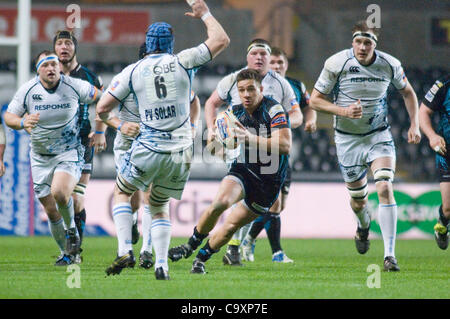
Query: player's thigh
(240,215)
(230,191)
(63,183)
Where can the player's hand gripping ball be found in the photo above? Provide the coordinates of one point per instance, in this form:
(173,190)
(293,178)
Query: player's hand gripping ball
(225,123)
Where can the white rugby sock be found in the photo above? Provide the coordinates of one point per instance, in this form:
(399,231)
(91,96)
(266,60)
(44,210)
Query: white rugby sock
(243,231)
(146,230)
(363,218)
(123,220)
(387,216)
(59,233)
(161,231)
(67,213)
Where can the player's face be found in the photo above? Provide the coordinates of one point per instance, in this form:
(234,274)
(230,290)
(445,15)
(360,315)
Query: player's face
(250,92)
(363,49)
(258,59)
(65,50)
(278,64)
(49,72)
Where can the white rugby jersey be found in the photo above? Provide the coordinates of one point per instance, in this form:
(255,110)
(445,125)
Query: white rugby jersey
(274,86)
(350,81)
(57,130)
(161,84)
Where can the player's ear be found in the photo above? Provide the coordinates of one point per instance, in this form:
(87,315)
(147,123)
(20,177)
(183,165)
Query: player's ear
(261,88)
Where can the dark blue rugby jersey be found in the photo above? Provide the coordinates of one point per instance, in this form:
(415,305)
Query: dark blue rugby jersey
(300,92)
(438,99)
(269,116)
(84,73)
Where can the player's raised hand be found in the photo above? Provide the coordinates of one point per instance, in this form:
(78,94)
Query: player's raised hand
(30,121)
(199,8)
(414,135)
(354,110)
(130,129)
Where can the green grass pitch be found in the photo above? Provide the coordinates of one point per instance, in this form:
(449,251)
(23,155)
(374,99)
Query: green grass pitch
(322,269)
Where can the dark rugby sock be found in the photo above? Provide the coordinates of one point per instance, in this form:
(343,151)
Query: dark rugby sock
(80,222)
(196,239)
(273,229)
(206,252)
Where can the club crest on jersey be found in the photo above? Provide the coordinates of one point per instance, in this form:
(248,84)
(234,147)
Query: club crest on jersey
(354,69)
(37,97)
(114,85)
(92,92)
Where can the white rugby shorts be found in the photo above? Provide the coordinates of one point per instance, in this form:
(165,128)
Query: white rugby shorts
(355,153)
(167,173)
(43,167)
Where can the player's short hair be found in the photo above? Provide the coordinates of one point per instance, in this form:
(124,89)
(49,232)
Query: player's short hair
(249,74)
(276,51)
(363,27)
(142,50)
(65,34)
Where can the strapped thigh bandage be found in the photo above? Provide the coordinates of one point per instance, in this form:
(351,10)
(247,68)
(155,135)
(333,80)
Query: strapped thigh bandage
(384,174)
(79,189)
(159,203)
(359,192)
(125,187)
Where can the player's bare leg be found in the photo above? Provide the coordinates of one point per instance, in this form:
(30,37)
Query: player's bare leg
(358,202)
(230,191)
(62,187)
(441,232)
(239,216)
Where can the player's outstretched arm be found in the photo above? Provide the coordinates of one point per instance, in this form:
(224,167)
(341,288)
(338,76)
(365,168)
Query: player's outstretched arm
(218,39)
(412,106)
(437,142)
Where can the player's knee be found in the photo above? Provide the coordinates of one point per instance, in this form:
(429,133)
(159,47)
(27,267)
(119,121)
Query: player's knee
(219,206)
(358,204)
(384,189)
(159,205)
(61,197)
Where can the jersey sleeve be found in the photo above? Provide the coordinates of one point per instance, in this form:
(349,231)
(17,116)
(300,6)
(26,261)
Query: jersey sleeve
(435,96)
(88,92)
(278,117)
(399,78)
(329,74)
(194,57)
(18,104)
(289,101)
(119,86)
(224,86)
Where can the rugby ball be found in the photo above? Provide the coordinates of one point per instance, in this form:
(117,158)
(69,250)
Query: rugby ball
(225,123)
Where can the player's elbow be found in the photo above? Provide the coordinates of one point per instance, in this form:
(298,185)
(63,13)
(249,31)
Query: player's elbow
(9,119)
